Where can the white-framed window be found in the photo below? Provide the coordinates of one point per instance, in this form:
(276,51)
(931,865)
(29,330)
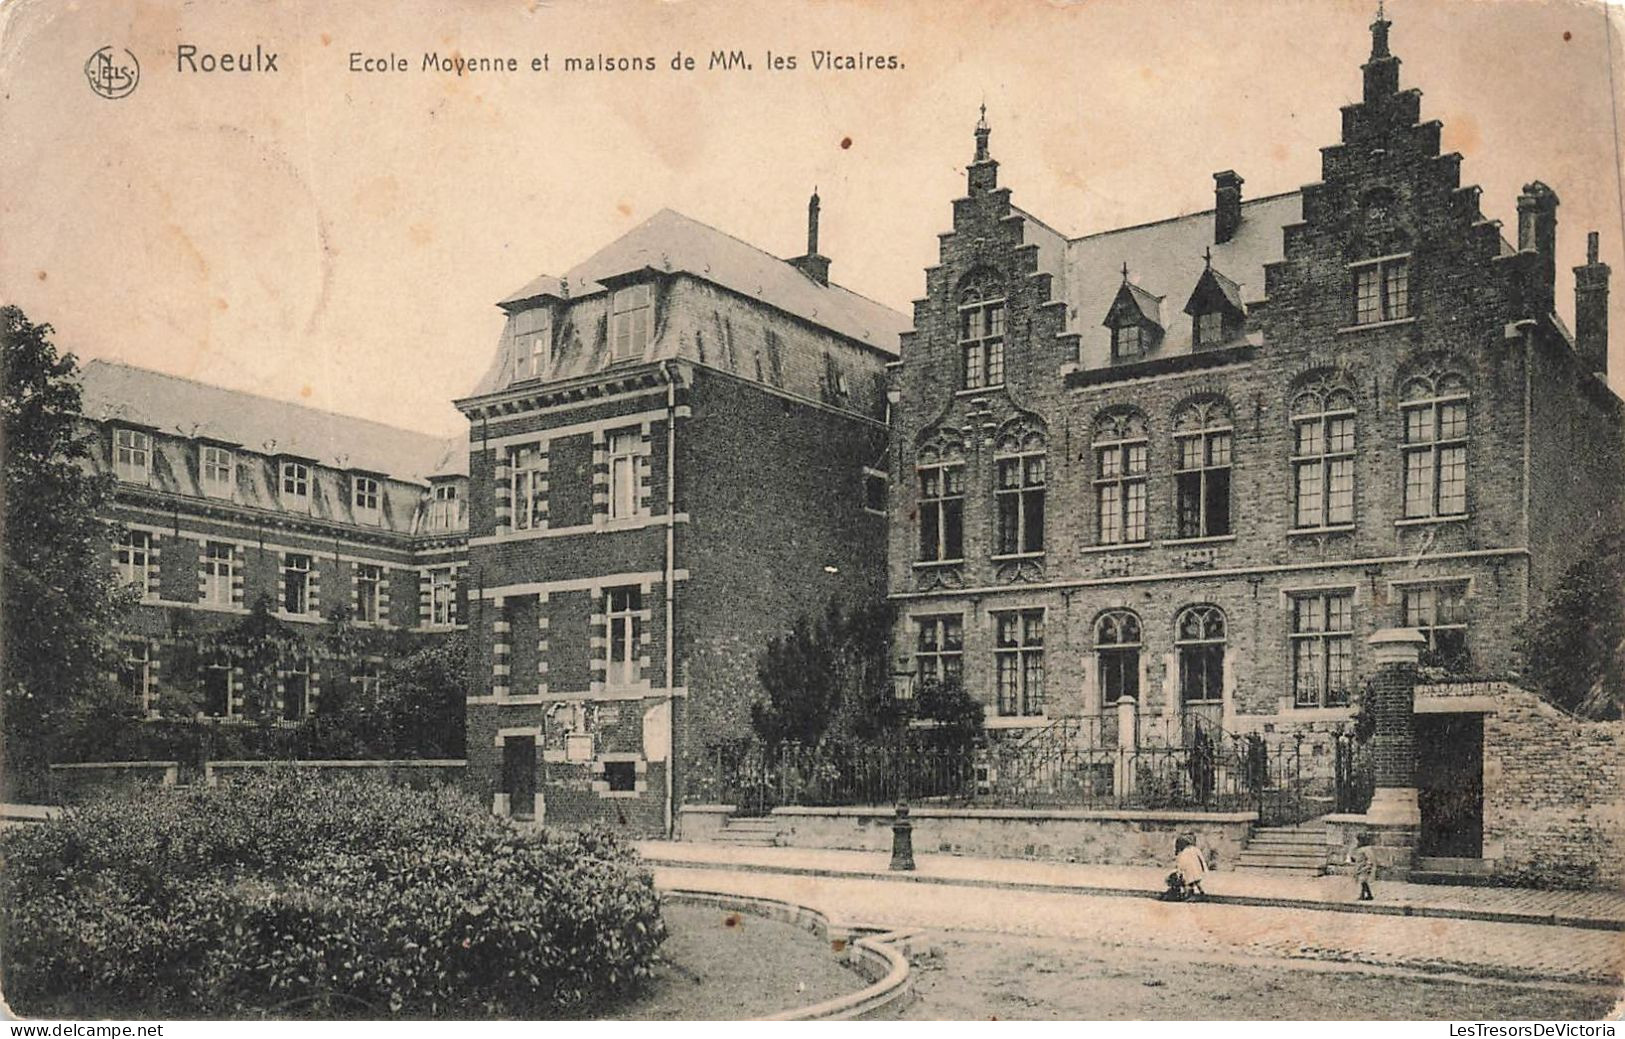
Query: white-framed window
(1128,341)
(1439,612)
(132,455)
(1117,655)
(1323,459)
(133,559)
(631,321)
(135,674)
(939,648)
(295,483)
(623,629)
(1202,440)
(533,345)
(369,586)
(296,583)
(445,509)
(219,687)
(442,596)
(624,446)
(295,687)
(365,495)
(1018,663)
(1199,639)
(1322,639)
(217,467)
(529,481)
(1208,328)
(1122,447)
(219,564)
(1381,290)
(365,677)
(1435,446)
(942,504)
(1018,495)
(981,334)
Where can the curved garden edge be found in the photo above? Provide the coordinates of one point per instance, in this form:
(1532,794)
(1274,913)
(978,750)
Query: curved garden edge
(880,956)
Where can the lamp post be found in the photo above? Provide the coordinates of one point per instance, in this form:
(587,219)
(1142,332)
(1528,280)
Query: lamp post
(902,830)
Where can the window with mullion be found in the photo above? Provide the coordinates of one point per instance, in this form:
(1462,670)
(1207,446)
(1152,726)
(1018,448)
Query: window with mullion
(1120,492)
(942,512)
(1020,500)
(1435,450)
(981,343)
(1382,291)
(1018,659)
(1323,468)
(132,455)
(622,620)
(940,648)
(217,471)
(529,482)
(1322,648)
(1203,483)
(1199,639)
(1439,612)
(1128,341)
(219,559)
(133,557)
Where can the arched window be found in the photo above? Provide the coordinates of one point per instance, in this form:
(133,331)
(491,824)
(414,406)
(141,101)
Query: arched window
(1323,458)
(1435,445)
(941,471)
(1019,494)
(1202,437)
(981,333)
(1199,637)
(1117,653)
(1121,446)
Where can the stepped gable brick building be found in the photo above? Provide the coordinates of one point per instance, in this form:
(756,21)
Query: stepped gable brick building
(679,449)
(226,497)
(1171,477)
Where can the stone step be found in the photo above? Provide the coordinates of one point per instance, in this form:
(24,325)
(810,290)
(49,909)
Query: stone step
(1249,867)
(752,840)
(1287,838)
(1316,832)
(1314,862)
(754,823)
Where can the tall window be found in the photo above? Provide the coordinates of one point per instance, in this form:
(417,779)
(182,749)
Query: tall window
(631,321)
(135,674)
(296,482)
(529,487)
(295,583)
(369,585)
(1199,638)
(1128,341)
(132,455)
(1121,450)
(981,334)
(444,508)
(1382,290)
(1322,648)
(1323,459)
(533,344)
(218,687)
(624,446)
(1439,612)
(1435,446)
(622,612)
(1202,438)
(940,648)
(218,476)
(219,563)
(442,596)
(295,688)
(1117,655)
(942,504)
(366,495)
(133,560)
(1018,659)
(1019,495)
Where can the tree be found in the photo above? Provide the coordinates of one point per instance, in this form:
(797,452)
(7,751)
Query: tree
(1574,647)
(60,596)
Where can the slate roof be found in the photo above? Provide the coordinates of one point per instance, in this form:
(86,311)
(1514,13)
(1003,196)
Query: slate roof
(672,242)
(184,407)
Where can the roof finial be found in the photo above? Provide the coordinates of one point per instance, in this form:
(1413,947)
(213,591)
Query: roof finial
(1379,33)
(982,132)
(1207,257)
(1125,272)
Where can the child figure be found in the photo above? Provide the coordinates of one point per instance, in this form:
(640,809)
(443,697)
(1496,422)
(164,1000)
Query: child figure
(1191,864)
(1365,865)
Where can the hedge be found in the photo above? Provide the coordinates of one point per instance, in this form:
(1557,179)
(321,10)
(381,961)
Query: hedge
(289,895)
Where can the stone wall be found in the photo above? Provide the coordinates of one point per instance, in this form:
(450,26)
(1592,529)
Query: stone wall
(79,782)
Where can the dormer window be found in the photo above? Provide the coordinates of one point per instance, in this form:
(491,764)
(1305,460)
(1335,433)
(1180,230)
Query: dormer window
(1128,341)
(1135,320)
(443,508)
(1217,313)
(631,318)
(365,495)
(533,344)
(217,472)
(981,334)
(1209,328)
(132,455)
(296,483)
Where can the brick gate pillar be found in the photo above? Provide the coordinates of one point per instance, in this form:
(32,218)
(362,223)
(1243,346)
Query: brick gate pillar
(1394,818)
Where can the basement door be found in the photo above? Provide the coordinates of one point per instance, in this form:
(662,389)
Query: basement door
(1450,785)
(519,775)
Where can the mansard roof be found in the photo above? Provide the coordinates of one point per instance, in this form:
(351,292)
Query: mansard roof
(670,242)
(169,404)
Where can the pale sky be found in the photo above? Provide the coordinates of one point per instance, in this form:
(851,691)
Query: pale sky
(341,238)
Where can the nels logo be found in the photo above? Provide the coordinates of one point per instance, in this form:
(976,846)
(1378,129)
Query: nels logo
(113,74)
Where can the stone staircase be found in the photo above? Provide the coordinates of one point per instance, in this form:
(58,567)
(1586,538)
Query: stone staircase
(749,831)
(1295,849)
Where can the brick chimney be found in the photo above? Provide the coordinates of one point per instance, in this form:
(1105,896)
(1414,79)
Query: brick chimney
(1226,205)
(812,264)
(1591,310)
(1537,233)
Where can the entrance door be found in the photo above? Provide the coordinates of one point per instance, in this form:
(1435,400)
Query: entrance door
(519,775)
(1450,784)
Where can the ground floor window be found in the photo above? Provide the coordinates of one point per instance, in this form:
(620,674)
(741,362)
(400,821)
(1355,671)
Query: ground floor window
(135,676)
(217,687)
(940,648)
(1117,653)
(296,689)
(1199,638)
(1322,648)
(1019,663)
(1439,612)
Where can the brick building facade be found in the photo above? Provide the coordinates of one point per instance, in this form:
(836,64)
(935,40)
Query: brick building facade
(679,450)
(1174,475)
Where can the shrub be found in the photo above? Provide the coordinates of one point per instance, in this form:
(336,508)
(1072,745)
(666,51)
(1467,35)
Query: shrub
(287,896)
